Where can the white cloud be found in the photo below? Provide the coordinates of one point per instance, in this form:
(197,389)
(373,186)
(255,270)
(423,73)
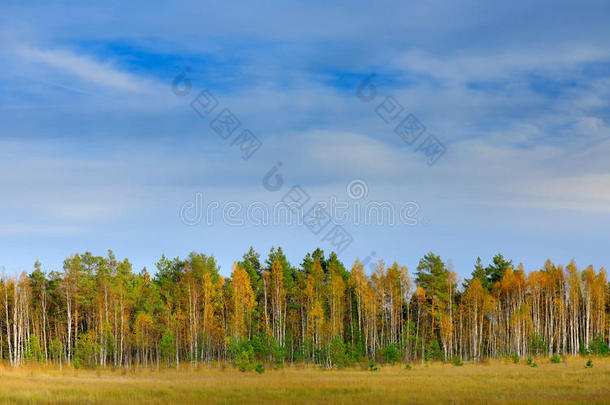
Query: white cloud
(85,68)
(503,64)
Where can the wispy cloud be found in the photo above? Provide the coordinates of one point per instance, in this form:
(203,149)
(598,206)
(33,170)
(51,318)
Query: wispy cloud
(502,64)
(84,68)
(98,141)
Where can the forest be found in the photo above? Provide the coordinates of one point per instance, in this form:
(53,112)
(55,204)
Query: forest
(97,312)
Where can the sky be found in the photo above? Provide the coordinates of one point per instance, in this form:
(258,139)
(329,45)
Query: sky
(106,142)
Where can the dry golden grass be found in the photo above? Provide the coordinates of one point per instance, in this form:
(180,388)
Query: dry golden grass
(492,382)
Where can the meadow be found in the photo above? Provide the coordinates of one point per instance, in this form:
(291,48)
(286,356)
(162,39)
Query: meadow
(493,381)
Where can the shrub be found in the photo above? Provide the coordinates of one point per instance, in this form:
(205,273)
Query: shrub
(241,353)
(356,351)
(338,352)
(167,345)
(390,354)
(260,346)
(408,367)
(458,362)
(537,344)
(434,351)
(599,346)
(86,350)
(555,358)
(372,366)
(259,368)
(278,353)
(515,358)
(245,360)
(589,363)
(56,349)
(529,360)
(582,349)
(33,350)
(534,364)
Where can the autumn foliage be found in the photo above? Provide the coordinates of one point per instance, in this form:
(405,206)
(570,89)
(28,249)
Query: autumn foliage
(98,312)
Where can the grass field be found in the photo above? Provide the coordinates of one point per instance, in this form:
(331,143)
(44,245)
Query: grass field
(492,382)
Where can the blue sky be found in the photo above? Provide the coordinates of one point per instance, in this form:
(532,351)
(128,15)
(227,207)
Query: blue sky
(97,152)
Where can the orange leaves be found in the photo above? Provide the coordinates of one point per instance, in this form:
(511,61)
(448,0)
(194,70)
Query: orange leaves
(420,293)
(474,294)
(242,299)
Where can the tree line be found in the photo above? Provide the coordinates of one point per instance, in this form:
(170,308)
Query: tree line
(98,312)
